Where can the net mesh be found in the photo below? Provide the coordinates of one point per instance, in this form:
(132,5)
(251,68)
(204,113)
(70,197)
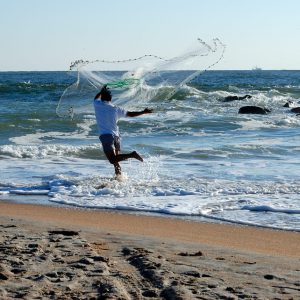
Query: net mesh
(137,81)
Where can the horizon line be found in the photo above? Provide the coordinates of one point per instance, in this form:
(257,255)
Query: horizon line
(254,70)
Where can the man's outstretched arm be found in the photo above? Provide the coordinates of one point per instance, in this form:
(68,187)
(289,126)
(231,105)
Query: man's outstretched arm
(139,113)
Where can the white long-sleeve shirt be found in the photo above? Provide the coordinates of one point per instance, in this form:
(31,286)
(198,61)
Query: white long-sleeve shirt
(107,116)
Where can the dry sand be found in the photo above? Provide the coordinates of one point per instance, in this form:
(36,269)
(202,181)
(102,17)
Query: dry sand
(60,253)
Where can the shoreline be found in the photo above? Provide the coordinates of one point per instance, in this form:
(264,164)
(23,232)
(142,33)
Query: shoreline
(192,218)
(232,236)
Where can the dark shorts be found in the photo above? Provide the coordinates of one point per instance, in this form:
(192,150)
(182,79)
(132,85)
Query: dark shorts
(110,143)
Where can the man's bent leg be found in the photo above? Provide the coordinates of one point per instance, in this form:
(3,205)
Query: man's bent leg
(120,157)
(111,147)
(116,158)
(134,154)
(137,156)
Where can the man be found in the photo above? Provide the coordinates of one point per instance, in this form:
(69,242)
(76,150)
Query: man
(107,116)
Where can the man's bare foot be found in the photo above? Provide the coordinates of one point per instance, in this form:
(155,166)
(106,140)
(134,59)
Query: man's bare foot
(137,156)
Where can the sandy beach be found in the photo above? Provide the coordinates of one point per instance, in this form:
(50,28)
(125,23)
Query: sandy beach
(67,253)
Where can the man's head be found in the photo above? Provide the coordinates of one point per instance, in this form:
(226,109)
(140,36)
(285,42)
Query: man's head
(105,93)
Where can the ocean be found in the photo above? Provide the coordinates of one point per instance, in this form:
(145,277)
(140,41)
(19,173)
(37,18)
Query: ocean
(203,160)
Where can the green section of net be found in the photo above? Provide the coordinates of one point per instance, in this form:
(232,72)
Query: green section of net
(123,83)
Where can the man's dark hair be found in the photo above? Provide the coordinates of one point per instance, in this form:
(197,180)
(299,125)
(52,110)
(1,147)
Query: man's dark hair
(104,94)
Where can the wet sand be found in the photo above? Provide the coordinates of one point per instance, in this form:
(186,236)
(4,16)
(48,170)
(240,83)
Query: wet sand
(65,253)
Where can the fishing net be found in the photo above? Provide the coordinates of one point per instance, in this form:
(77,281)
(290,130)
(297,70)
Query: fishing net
(137,81)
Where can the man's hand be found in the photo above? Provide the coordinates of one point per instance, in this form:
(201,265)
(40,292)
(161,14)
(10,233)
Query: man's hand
(139,113)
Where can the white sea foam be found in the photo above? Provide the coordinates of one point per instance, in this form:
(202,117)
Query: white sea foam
(4,192)
(266,208)
(44,150)
(150,187)
(194,197)
(34,120)
(29,192)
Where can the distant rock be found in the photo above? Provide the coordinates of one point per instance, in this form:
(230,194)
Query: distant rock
(288,104)
(253,110)
(296,110)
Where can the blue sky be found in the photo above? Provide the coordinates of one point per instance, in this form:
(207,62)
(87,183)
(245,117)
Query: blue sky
(48,35)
